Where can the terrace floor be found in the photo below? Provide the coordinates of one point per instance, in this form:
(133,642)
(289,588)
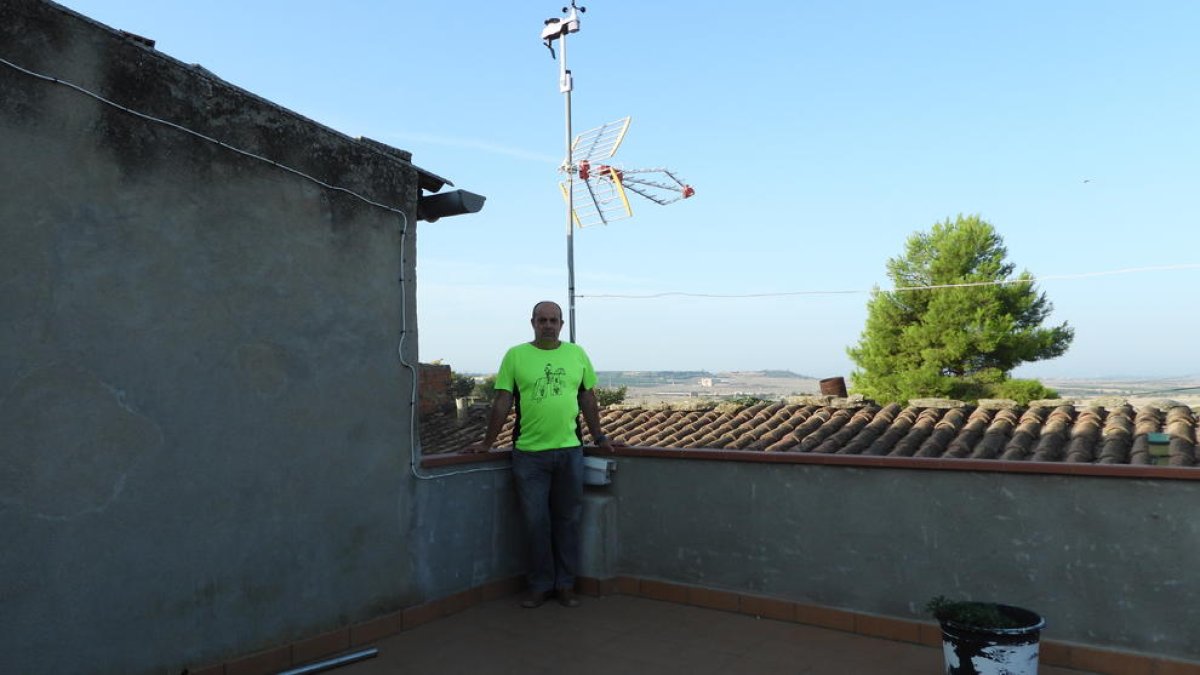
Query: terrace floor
(625,634)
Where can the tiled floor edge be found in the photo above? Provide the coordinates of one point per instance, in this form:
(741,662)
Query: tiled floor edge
(928,633)
(357,635)
(596,587)
(1111,661)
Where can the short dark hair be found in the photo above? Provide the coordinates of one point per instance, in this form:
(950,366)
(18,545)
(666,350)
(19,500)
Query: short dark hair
(533,312)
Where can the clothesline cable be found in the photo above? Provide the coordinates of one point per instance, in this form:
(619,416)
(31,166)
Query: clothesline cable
(197,134)
(899,289)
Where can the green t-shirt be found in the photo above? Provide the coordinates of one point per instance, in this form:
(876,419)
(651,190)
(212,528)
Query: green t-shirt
(545,383)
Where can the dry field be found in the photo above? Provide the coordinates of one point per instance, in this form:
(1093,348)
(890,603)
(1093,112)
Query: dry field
(722,385)
(1185,390)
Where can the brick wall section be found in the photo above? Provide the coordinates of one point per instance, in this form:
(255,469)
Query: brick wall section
(433,387)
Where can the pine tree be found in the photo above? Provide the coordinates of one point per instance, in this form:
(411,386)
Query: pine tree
(955,342)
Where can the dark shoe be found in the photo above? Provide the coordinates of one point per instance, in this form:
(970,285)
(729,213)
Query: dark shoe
(567,598)
(533,599)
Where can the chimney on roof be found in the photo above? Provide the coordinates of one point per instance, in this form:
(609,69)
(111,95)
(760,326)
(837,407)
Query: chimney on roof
(833,386)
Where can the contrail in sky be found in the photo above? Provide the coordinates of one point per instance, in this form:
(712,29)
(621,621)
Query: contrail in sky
(898,289)
(483,146)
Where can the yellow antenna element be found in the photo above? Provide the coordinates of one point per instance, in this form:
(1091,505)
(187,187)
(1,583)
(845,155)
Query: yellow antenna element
(616,179)
(621,136)
(562,187)
(601,142)
(599,191)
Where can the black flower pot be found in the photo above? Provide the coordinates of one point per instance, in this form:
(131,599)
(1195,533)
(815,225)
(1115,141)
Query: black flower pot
(972,649)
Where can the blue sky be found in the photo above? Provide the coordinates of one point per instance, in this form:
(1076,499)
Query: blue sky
(819,136)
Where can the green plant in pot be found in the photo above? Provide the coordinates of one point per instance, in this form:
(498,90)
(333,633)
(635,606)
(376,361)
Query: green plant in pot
(987,638)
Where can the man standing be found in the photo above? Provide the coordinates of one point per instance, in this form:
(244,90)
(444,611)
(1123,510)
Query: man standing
(551,382)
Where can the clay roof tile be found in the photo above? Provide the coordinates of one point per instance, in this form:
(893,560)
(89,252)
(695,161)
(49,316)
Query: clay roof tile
(1085,436)
(1104,435)
(1020,446)
(1051,446)
(944,431)
(876,427)
(970,434)
(1117,436)
(897,430)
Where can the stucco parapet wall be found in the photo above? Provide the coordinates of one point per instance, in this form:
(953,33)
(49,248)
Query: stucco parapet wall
(1164,404)
(1052,402)
(123,70)
(903,463)
(1107,402)
(936,403)
(852,401)
(997,404)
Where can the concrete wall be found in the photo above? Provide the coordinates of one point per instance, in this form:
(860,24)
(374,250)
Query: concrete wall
(466,530)
(205,428)
(1107,561)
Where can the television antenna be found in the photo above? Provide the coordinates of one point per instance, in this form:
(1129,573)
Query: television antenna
(601,191)
(596,192)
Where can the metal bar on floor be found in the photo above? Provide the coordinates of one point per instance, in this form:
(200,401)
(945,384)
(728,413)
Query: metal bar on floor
(333,662)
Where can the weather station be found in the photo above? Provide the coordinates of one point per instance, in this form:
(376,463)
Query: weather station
(596,190)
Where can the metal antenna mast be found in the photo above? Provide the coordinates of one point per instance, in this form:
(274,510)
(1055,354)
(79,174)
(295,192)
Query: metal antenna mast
(597,193)
(558,29)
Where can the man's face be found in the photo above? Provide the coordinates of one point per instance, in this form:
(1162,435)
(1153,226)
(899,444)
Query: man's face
(547,321)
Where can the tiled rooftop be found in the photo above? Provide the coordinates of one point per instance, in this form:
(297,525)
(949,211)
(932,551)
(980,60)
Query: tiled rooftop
(1058,431)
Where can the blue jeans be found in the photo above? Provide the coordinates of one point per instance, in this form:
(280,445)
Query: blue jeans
(550,488)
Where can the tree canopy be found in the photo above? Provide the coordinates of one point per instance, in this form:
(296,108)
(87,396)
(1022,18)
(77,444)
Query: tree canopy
(962,341)
(461,385)
(610,395)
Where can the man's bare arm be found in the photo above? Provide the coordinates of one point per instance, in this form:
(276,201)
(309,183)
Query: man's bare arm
(501,404)
(591,415)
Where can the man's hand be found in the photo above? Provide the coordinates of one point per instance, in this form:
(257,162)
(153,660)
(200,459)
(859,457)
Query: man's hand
(607,444)
(477,448)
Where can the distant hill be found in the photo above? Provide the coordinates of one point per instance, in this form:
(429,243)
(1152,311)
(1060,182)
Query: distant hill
(647,378)
(783,374)
(658,378)
(649,386)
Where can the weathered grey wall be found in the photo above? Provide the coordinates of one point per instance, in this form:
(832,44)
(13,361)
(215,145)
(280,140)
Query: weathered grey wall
(204,421)
(466,531)
(1107,561)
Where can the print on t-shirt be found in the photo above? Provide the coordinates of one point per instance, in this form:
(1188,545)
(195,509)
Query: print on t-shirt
(551,384)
